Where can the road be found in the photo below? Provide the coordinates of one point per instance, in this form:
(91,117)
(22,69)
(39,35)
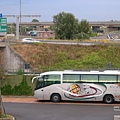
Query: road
(60,111)
(67,42)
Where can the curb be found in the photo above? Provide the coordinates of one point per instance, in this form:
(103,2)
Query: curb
(3,96)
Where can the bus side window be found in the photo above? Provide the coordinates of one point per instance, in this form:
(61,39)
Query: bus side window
(45,78)
(108,79)
(89,78)
(51,79)
(119,79)
(68,78)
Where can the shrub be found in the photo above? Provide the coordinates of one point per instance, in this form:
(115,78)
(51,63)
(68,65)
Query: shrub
(22,89)
(6,90)
(19,72)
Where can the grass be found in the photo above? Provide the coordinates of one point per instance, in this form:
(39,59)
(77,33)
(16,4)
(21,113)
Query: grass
(16,80)
(47,57)
(6,116)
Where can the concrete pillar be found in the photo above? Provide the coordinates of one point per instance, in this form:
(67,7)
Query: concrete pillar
(17,28)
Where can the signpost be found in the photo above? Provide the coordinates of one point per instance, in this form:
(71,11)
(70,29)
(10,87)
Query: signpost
(0,15)
(3,25)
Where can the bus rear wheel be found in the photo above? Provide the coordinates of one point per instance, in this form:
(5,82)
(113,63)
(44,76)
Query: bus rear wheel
(55,97)
(108,99)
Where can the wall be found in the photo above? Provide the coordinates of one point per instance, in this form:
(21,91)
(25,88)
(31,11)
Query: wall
(12,61)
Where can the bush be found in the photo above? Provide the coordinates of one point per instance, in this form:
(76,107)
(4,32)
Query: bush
(22,89)
(6,90)
(19,72)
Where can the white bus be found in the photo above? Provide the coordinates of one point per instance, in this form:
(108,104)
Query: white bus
(78,86)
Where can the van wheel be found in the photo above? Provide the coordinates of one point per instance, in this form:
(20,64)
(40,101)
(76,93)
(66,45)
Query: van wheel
(55,97)
(108,99)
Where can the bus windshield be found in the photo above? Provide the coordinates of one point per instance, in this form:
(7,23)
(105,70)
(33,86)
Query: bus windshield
(39,83)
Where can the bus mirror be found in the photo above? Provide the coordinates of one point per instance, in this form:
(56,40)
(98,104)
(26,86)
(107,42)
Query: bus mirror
(33,79)
(36,77)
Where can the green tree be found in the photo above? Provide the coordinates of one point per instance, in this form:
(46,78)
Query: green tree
(24,88)
(35,20)
(84,30)
(1,78)
(65,25)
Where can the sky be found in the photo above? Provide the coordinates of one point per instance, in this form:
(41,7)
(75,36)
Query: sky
(91,10)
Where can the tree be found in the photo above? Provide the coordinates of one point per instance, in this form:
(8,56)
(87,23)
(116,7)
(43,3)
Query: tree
(65,25)
(84,30)
(35,20)
(1,75)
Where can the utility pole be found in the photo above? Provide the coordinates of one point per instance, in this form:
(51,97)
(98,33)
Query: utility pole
(20,11)
(20,16)
(17,21)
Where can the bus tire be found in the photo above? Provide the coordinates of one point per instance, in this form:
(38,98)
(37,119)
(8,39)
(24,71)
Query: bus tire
(108,99)
(55,97)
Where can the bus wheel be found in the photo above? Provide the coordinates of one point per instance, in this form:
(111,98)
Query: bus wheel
(108,99)
(55,97)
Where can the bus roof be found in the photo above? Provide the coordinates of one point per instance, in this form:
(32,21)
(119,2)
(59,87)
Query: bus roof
(108,72)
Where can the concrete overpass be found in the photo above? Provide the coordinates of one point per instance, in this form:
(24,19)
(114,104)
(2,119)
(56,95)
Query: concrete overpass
(107,26)
(92,23)
(105,23)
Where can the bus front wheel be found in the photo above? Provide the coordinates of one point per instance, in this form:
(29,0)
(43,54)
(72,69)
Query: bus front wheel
(108,99)
(55,97)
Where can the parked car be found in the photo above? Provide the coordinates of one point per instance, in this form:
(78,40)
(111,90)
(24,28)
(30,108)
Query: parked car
(29,40)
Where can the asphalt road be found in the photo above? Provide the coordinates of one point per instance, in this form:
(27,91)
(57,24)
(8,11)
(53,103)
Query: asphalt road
(53,111)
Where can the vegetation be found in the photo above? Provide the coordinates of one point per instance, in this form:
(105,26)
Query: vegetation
(14,87)
(6,117)
(1,78)
(60,57)
(35,20)
(19,72)
(84,31)
(66,26)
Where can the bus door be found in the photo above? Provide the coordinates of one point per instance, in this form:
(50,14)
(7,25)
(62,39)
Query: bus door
(39,88)
(39,83)
(42,83)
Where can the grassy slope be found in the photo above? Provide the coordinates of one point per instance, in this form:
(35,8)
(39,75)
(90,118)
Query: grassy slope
(60,57)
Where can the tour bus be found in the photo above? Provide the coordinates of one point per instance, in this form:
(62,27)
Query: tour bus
(78,86)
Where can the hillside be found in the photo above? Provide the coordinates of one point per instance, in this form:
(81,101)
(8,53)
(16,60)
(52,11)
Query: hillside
(44,57)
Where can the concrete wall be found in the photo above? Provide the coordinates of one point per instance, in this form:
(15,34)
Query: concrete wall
(12,61)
